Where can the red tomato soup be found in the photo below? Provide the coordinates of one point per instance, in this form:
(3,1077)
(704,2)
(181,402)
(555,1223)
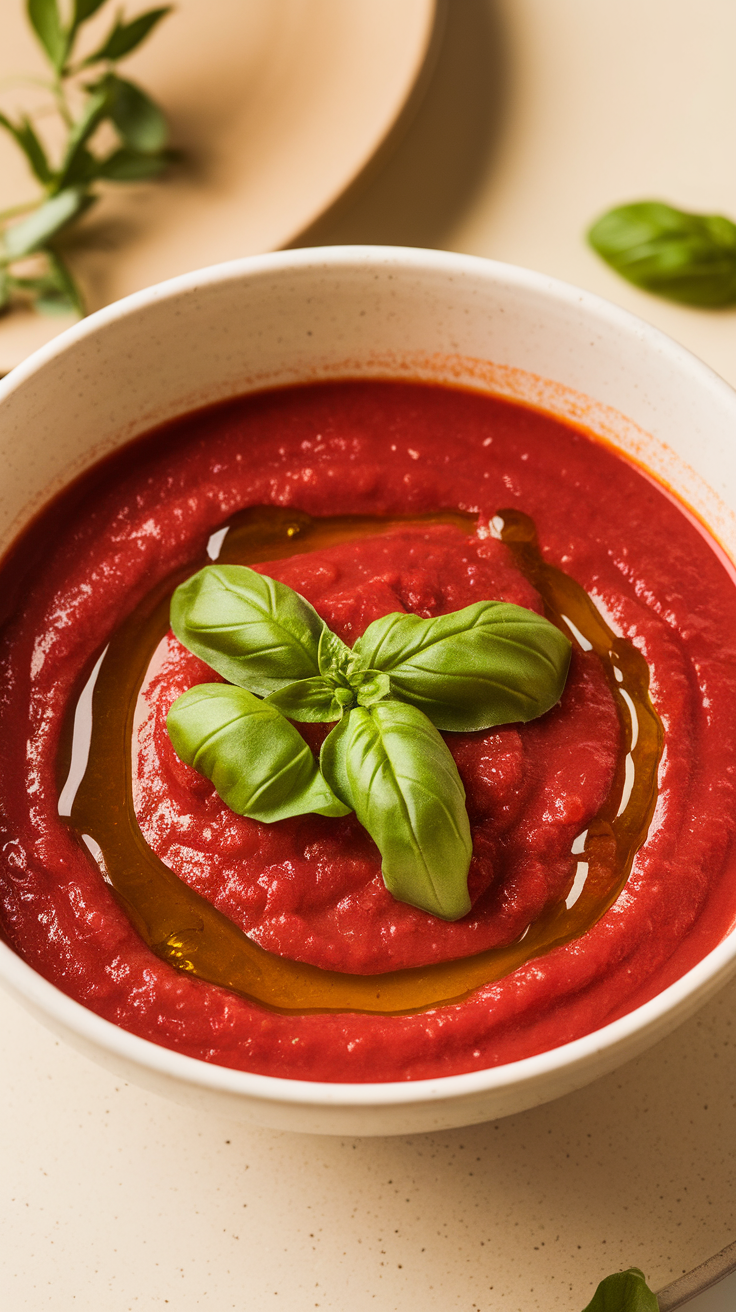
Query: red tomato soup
(566,931)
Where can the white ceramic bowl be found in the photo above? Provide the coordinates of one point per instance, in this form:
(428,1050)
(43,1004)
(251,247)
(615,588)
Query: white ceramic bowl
(373,312)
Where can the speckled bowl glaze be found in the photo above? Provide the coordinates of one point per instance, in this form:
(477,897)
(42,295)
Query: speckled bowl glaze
(364,311)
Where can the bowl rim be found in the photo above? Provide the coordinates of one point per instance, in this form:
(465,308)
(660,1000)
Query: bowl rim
(29,986)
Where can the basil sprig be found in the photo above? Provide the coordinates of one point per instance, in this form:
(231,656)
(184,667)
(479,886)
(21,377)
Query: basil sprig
(684,257)
(406,678)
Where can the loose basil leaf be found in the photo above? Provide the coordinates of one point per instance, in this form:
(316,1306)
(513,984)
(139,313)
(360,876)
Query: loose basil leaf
(390,765)
(312,701)
(685,257)
(44,223)
(490,663)
(139,121)
(259,764)
(626,1291)
(45,20)
(125,37)
(253,630)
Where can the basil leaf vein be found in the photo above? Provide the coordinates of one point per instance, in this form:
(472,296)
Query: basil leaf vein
(259,764)
(389,764)
(490,663)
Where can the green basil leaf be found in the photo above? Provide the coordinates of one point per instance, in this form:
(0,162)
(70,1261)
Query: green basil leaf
(139,121)
(312,701)
(33,233)
(6,287)
(45,20)
(259,764)
(25,135)
(390,765)
(685,257)
(253,630)
(371,687)
(125,37)
(334,656)
(490,663)
(130,166)
(626,1291)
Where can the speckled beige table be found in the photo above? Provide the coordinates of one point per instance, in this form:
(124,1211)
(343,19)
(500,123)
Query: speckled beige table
(541,114)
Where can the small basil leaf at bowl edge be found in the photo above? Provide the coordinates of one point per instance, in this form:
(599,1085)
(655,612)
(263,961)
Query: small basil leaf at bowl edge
(490,663)
(690,258)
(390,765)
(625,1291)
(255,631)
(260,765)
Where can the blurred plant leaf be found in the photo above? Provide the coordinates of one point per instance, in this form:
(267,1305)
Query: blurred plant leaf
(33,233)
(45,20)
(139,121)
(75,166)
(131,166)
(25,135)
(84,9)
(126,37)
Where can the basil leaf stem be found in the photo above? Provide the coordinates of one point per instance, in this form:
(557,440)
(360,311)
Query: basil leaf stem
(390,765)
(259,764)
(490,663)
(684,257)
(625,1291)
(255,631)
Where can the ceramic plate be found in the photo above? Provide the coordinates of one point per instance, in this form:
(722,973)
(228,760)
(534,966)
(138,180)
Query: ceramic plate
(278,106)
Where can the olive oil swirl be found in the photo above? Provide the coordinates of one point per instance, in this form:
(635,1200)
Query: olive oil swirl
(185,930)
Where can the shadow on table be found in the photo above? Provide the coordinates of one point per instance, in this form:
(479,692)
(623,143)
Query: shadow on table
(418,186)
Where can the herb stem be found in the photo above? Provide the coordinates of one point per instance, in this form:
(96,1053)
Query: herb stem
(61,100)
(24,208)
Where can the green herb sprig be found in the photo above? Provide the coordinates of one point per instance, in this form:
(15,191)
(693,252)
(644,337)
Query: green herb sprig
(68,179)
(625,1291)
(402,682)
(690,258)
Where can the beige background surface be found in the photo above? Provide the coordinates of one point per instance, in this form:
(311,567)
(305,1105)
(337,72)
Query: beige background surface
(541,114)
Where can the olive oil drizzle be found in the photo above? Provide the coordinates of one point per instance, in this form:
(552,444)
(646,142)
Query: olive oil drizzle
(185,930)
